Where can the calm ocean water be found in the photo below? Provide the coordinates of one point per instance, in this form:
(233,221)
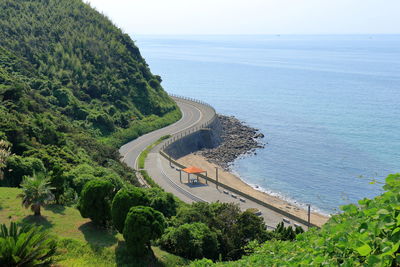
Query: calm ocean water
(329,106)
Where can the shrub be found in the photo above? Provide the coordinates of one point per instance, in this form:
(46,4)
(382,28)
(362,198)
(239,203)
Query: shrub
(162,201)
(95,201)
(366,234)
(24,246)
(5,152)
(142,225)
(286,233)
(18,167)
(125,199)
(192,241)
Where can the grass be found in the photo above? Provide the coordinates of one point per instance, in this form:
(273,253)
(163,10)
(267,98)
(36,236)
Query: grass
(75,253)
(142,158)
(80,242)
(148,179)
(143,155)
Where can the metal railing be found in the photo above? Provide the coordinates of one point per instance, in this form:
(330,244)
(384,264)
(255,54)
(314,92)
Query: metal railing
(179,135)
(185,133)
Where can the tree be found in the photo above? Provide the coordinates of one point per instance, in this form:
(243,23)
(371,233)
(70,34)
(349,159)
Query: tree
(249,227)
(142,225)
(18,167)
(125,199)
(95,201)
(162,201)
(234,229)
(4,154)
(286,233)
(25,246)
(36,192)
(192,241)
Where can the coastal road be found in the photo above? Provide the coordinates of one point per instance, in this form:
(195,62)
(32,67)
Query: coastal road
(194,115)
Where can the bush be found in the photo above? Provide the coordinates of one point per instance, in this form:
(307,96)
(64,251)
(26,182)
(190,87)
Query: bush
(192,241)
(162,201)
(125,199)
(95,201)
(142,225)
(25,246)
(234,229)
(249,227)
(18,167)
(366,234)
(286,233)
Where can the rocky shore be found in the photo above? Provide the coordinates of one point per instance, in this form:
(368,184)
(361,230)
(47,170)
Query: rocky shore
(238,139)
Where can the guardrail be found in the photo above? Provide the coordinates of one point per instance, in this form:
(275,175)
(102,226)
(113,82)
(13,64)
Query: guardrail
(193,100)
(184,133)
(240,193)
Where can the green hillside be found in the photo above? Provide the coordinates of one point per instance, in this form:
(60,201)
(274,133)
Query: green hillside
(367,234)
(73,88)
(80,242)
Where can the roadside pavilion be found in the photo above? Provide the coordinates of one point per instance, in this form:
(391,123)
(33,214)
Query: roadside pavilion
(192,170)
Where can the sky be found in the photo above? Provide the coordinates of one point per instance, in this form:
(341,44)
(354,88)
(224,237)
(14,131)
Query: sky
(253,16)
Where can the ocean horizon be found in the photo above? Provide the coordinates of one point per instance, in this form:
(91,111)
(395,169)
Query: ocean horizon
(328,106)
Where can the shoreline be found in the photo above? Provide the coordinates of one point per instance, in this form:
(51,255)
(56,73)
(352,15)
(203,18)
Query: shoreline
(232,180)
(238,139)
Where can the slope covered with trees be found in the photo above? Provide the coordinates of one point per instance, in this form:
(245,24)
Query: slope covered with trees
(73,87)
(367,234)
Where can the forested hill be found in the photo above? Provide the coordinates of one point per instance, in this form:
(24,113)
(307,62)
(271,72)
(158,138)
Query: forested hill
(73,87)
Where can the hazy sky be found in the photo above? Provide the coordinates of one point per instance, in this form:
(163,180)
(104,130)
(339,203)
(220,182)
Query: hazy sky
(252,16)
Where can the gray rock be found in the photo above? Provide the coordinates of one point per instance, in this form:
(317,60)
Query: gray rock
(238,139)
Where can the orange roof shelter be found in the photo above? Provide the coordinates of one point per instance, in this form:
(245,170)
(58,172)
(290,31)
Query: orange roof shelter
(193,170)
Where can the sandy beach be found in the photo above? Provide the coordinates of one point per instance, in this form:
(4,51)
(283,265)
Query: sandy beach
(235,182)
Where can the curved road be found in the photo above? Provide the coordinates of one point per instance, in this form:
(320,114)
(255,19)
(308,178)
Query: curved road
(194,115)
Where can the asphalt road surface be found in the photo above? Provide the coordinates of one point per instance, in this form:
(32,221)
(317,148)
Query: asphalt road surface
(194,115)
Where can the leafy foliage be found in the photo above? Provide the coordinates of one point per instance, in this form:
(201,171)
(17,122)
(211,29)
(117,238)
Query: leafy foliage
(73,87)
(95,201)
(142,225)
(36,192)
(26,246)
(125,199)
(4,154)
(162,201)
(18,167)
(286,233)
(234,229)
(192,241)
(367,234)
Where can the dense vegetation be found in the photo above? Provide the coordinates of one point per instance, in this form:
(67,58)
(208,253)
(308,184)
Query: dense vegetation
(79,241)
(217,231)
(25,246)
(142,225)
(73,87)
(367,234)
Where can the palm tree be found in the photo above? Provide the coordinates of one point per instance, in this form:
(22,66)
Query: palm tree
(36,192)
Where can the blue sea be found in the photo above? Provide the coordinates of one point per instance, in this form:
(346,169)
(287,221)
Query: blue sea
(329,106)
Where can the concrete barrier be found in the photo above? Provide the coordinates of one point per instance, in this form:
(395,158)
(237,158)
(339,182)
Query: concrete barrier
(242,194)
(208,135)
